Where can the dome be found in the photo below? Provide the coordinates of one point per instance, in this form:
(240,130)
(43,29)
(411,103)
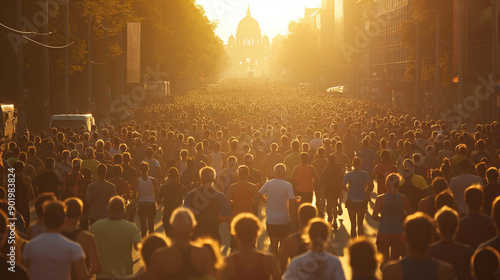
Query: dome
(248,28)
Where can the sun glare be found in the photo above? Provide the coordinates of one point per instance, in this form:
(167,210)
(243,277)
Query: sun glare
(273,16)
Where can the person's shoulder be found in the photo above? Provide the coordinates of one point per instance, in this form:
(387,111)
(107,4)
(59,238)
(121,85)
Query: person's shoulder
(392,270)
(446,270)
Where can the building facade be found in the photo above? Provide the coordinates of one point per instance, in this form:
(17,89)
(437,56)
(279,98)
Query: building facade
(249,50)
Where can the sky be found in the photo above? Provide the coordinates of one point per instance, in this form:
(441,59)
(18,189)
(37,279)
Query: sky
(272,15)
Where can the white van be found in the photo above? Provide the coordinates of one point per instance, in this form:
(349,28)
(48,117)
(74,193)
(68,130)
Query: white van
(75,121)
(8,121)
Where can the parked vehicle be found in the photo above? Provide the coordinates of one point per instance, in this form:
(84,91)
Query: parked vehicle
(75,121)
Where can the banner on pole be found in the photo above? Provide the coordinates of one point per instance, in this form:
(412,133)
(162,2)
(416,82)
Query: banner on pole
(134,52)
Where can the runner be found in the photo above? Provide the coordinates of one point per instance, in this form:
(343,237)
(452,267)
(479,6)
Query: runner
(148,194)
(360,187)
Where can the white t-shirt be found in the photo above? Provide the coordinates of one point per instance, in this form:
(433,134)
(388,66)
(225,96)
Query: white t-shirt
(315,143)
(459,184)
(313,265)
(278,193)
(50,256)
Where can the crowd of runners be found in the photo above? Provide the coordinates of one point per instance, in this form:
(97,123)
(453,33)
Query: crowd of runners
(240,155)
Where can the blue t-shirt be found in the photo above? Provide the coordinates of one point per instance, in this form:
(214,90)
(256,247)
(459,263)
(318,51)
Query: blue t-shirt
(357,181)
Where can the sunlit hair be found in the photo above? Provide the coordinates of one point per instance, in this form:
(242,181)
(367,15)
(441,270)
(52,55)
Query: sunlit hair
(316,233)
(363,257)
(150,244)
(245,227)
(186,214)
(392,181)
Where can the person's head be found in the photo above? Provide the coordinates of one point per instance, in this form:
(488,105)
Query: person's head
(295,145)
(231,161)
(465,165)
(18,167)
(474,198)
(280,170)
(54,215)
(485,263)
(248,159)
(306,212)
(444,198)
(116,208)
(439,185)
(418,230)
(492,175)
(207,175)
(40,201)
(447,221)
(50,163)
(245,227)
(150,244)
(408,168)
(274,147)
(316,233)
(363,257)
(182,222)
(144,168)
(332,160)
(320,152)
(76,164)
(304,157)
(392,182)
(74,207)
(149,152)
(495,212)
(117,171)
(385,155)
(101,171)
(356,163)
(243,172)
(173,174)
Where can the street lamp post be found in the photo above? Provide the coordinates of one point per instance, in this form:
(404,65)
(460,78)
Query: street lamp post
(66,64)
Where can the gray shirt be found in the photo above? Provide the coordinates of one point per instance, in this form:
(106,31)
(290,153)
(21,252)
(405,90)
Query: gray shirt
(99,193)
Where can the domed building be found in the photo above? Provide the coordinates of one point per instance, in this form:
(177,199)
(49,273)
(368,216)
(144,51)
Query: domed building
(249,51)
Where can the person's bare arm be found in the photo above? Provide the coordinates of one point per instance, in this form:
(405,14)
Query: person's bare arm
(136,246)
(344,187)
(292,177)
(93,255)
(314,174)
(80,269)
(376,209)
(156,189)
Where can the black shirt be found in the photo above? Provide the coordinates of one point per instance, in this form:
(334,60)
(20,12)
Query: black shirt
(491,191)
(456,254)
(47,182)
(172,194)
